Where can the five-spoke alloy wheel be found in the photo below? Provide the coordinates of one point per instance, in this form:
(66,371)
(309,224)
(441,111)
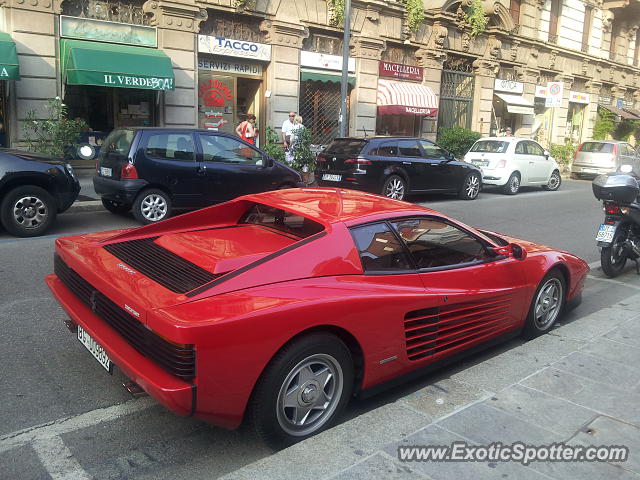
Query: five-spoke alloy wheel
(547,305)
(303,390)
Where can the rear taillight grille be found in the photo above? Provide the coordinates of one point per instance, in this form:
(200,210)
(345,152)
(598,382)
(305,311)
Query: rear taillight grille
(434,330)
(160,265)
(177,360)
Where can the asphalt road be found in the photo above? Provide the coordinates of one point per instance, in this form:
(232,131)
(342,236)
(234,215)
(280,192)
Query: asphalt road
(50,381)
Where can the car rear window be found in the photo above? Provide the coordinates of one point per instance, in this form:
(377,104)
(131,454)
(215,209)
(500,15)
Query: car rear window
(117,145)
(282,220)
(597,147)
(490,146)
(346,146)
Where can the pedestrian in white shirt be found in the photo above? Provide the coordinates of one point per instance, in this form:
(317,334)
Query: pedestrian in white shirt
(287,126)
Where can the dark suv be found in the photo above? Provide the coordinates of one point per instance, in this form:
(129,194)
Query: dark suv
(396,167)
(156,170)
(34,188)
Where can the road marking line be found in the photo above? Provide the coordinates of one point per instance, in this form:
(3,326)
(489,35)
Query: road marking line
(615,282)
(69,424)
(58,460)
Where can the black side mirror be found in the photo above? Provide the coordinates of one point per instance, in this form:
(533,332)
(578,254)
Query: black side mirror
(267,161)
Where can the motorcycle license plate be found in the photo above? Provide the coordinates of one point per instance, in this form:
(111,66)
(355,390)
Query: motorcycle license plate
(605,233)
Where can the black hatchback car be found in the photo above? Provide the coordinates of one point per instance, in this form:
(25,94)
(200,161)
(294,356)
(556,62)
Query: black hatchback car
(34,188)
(396,167)
(156,170)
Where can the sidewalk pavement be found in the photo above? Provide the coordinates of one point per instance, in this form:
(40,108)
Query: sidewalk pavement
(579,384)
(88,200)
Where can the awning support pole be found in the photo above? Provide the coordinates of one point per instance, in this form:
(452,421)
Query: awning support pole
(344,84)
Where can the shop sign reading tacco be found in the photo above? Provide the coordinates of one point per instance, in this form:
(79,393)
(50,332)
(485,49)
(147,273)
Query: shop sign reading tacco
(234,48)
(238,67)
(399,70)
(510,86)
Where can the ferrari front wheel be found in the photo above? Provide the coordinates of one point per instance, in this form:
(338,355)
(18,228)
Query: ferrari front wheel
(547,305)
(303,390)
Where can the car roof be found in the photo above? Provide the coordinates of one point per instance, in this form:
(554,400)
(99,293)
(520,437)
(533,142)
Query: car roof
(380,137)
(334,205)
(505,139)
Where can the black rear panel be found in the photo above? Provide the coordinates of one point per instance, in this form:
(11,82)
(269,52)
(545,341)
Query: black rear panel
(177,360)
(160,265)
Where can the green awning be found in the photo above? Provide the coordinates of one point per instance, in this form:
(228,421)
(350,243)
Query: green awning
(111,65)
(325,77)
(9,67)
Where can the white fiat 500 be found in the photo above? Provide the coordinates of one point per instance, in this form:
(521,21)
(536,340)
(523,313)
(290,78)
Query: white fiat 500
(512,162)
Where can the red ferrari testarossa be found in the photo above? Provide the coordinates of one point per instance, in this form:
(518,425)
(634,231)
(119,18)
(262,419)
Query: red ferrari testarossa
(279,306)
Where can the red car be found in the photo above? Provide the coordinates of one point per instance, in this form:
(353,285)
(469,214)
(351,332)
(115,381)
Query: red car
(278,307)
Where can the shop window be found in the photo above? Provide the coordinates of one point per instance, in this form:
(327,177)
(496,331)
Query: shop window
(320,109)
(223,24)
(380,249)
(121,11)
(317,42)
(401,55)
(228,150)
(171,146)
(409,148)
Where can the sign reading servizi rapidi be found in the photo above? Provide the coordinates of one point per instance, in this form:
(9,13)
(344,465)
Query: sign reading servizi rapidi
(119,80)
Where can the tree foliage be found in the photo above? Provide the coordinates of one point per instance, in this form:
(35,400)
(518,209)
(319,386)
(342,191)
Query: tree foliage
(604,126)
(54,134)
(415,13)
(304,160)
(476,16)
(457,140)
(273,146)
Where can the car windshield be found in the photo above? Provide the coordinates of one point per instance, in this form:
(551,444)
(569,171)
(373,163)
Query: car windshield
(490,146)
(348,146)
(597,147)
(281,220)
(117,144)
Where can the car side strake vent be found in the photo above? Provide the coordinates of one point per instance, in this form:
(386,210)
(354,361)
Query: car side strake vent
(434,330)
(160,265)
(178,360)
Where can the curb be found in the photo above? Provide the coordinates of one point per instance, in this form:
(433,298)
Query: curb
(87,206)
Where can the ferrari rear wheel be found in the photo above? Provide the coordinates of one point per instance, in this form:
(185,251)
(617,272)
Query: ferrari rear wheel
(303,390)
(547,305)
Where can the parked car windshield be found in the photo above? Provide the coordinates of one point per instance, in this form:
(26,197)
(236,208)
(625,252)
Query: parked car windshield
(282,220)
(490,146)
(346,146)
(597,147)
(117,144)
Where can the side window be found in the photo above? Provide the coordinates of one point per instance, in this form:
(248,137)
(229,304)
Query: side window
(409,148)
(534,149)
(386,150)
(380,249)
(433,151)
(520,148)
(434,243)
(171,146)
(228,150)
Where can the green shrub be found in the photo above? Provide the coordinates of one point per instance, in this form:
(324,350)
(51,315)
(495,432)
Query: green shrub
(457,140)
(604,126)
(273,146)
(563,153)
(304,160)
(54,134)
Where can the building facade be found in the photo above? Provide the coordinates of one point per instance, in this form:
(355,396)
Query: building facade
(541,67)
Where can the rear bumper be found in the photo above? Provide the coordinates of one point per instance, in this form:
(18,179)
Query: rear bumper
(122,191)
(497,176)
(175,394)
(365,183)
(580,169)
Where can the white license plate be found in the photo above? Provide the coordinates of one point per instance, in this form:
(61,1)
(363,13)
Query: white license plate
(106,171)
(96,350)
(589,170)
(480,163)
(605,233)
(332,178)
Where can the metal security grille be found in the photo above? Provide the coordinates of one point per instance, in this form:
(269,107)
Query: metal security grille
(456,99)
(320,109)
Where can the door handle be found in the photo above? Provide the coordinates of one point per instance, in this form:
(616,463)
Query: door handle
(201,170)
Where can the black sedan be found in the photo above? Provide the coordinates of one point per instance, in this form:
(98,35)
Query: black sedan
(396,167)
(33,189)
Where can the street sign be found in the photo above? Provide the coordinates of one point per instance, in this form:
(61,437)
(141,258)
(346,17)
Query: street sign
(555,92)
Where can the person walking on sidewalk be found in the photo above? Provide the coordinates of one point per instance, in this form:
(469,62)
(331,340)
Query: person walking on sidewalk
(247,130)
(287,127)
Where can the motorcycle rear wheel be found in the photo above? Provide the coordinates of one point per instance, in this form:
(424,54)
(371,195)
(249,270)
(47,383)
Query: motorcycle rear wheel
(614,258)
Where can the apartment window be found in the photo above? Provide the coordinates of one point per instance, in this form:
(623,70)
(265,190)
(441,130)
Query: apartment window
(636,53)
(586,28)
(615,33)
(556,11)
(514,8)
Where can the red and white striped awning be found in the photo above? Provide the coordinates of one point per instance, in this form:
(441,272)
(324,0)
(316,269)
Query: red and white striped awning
(406,98)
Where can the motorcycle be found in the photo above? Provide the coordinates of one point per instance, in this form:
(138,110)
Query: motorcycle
(618,236)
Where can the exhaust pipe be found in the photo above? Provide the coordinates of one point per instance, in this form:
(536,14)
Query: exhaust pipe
(134,389)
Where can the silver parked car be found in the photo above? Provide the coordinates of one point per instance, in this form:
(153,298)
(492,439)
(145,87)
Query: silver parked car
(598,157)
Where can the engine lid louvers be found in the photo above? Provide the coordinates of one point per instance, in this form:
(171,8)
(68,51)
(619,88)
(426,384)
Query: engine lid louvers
(161,265)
